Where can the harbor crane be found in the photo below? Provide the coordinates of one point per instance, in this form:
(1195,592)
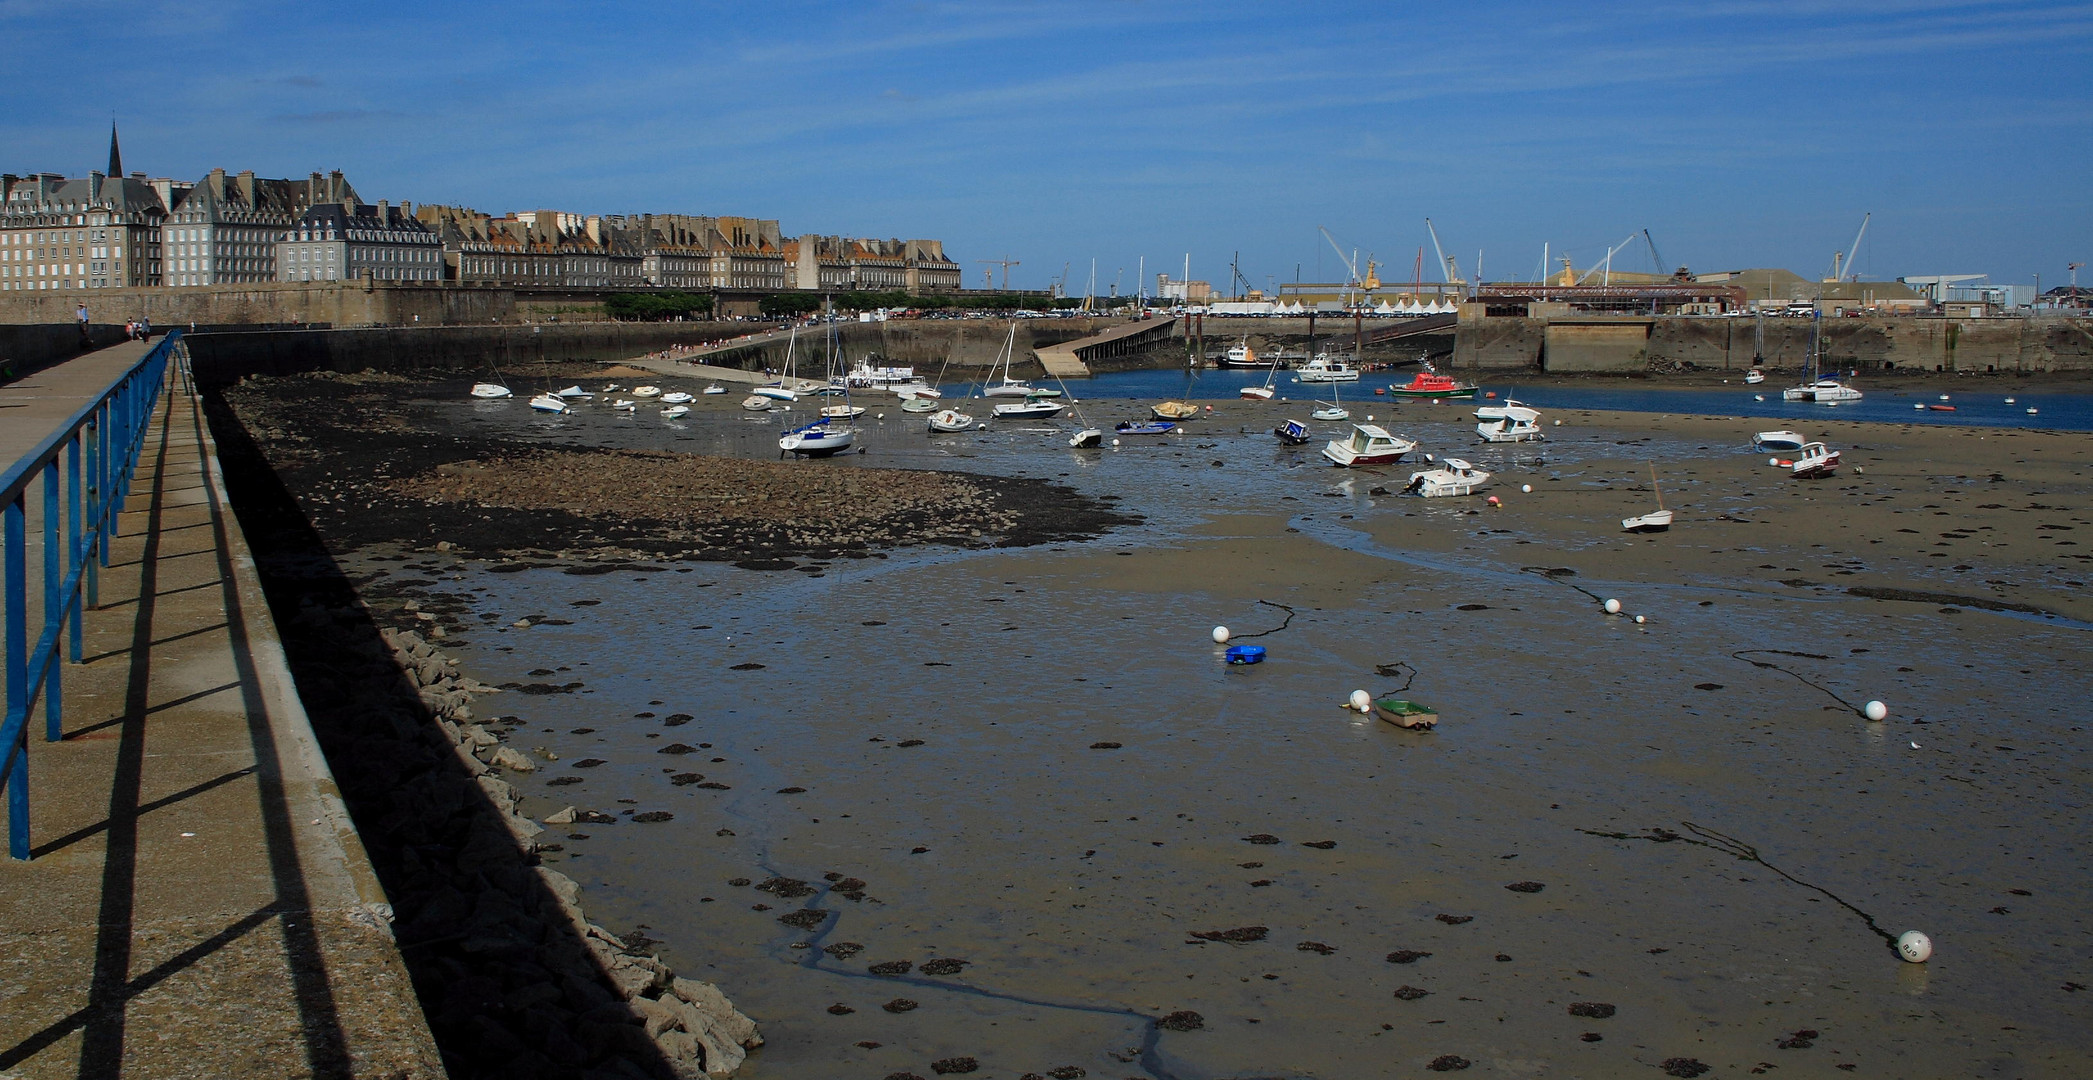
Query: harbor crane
(1605,267)
(1365,283)
(1843,271)
(1656,260)
(1006,264)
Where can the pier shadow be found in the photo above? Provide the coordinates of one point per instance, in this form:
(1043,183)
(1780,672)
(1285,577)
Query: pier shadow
(512,986)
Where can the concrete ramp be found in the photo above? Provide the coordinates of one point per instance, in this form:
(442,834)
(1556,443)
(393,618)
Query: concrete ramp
(1072,359)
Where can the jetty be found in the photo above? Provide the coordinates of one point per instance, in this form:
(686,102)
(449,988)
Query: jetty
(186,894)
(1072,359)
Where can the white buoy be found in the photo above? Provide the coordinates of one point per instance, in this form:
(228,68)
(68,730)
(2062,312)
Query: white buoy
(1362,701)
(1525,489)
(1613,607)
(1857,470)
(1920,405)
(1369,418)
(2031,410)
(1758,397)
(1914,946)
(1220,635)
(1875,710)
(1638,620)
(1558,423)
(1773,461)
(2009,401)
(1115,442)
(1944,397)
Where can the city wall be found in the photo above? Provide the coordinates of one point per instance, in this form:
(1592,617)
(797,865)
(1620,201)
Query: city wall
(227,355)
(1903,343)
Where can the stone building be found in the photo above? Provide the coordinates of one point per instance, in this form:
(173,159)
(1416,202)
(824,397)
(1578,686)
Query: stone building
(347,241)
(842,263)
(225,229)
(98,231)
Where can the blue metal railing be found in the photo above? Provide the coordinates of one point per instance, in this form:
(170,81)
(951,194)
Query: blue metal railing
(90,456)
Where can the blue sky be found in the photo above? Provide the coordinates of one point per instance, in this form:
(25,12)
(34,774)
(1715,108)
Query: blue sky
(1739,133)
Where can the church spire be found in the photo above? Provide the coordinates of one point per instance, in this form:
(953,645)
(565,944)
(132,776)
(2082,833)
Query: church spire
(116,157)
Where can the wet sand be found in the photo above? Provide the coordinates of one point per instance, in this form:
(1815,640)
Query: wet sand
(1093,787)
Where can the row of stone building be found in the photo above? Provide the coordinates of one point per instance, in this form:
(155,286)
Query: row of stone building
(109,229)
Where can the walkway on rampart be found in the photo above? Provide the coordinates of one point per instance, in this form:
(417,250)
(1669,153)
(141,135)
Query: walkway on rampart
(198,904)
(1071,359)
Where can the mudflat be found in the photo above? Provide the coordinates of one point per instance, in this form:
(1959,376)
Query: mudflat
(1005,808)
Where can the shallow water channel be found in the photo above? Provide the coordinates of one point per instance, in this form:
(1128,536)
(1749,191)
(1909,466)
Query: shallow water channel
(1035,762)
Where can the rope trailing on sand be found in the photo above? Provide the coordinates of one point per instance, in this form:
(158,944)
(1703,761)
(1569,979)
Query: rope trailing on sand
(1289,620)
(1730,845)
(1557,574)
(1742,655)
(1390,671)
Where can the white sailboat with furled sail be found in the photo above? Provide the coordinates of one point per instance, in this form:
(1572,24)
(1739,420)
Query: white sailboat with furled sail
(831,434)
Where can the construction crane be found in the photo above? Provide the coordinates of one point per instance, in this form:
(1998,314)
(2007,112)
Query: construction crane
(1350,262)
(1656,260)
(1606,264)
(1006,264)
(1445,264)
(1843,271)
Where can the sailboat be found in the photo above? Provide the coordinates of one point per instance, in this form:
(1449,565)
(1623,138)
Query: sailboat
(830,434)
(1656,521)
(1264,393)
(782,389)
(1814,387)
(1010,387)
(1333,411)
(490,390)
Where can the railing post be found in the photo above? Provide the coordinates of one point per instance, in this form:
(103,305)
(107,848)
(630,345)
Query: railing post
(16,724)
(75,552)
(54,605)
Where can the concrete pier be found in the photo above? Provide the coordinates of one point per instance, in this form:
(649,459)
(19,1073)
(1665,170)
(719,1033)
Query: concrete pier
(198,904)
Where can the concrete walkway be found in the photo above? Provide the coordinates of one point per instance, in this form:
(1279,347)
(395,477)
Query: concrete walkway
(199,904)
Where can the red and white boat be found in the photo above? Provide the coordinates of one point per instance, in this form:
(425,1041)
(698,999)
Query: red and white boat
(1431,384)
(1813,460)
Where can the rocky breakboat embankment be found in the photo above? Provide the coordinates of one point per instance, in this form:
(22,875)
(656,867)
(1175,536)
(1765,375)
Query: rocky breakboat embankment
(514,978)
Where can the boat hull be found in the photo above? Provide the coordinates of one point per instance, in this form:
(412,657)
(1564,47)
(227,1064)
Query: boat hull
(1087,438)
(1406,714)
(1256,393)
(1657,521)
(817,440)
(490,390)
(1146,427)
(1458,392)
(1029,408)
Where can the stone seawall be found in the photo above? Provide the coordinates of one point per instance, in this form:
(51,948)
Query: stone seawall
(24,349)
(225,357)
(1920,344)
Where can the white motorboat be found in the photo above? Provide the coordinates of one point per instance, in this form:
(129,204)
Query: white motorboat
(624,404)
(1323,367)
(910,391)
(1812,461)
(1657,520)
(552,403)
(866,375)
(1517,410)
(1452,477)
(677,397)
(611,388)
(1033,406)
(715,388)
(573,393)
(842,412)
(950,420)
(490,390)
(646,391)
(1777,440)
(1369,444)
(759,403)
(1511,429)
(675,412)
(1241,355)
(919,404)
(775,393)
(1088,438)
(1754,377)
(818,439)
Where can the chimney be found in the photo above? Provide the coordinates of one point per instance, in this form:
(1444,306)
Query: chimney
(247,186)
(383,208)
